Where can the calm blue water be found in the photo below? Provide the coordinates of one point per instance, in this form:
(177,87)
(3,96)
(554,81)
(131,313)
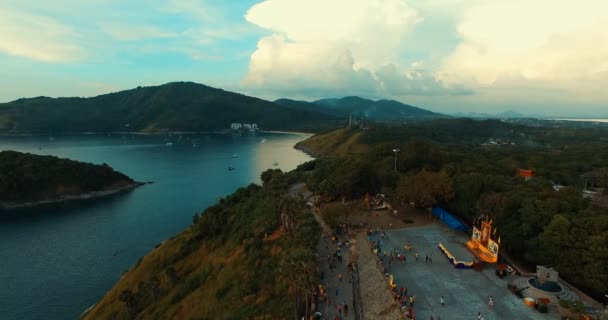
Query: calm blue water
(55,263)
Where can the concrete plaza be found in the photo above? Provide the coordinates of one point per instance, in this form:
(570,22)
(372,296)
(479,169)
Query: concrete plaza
(466,291)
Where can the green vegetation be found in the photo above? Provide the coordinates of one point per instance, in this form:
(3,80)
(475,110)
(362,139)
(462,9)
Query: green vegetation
(26,177)
(449,163)
(178,106)
(249,256)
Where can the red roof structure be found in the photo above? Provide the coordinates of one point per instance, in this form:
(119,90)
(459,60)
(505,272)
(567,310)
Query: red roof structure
(525,173)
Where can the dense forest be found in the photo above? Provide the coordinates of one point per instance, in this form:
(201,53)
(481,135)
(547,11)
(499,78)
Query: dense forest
(471,167)
(178,106)
(249,256)
(27,177)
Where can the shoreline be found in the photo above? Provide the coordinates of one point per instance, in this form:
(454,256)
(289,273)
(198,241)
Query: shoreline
(308,151)
(143,133)
(13,206)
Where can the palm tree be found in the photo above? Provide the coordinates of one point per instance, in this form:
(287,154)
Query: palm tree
(303,276)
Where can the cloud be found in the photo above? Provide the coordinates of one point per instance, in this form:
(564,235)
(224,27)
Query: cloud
(336,48)
(132,32)
(39,38)
(542,43)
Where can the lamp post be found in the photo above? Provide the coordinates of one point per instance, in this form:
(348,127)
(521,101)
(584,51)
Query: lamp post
(396,151)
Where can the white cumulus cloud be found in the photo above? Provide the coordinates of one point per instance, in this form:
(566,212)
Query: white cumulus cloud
(336,47)
(541,43)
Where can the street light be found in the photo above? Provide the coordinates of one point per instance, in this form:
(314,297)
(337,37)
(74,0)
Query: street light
(396,151)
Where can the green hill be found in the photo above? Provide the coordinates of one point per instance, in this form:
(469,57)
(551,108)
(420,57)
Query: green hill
(178,106)
(240,259)
(380,110)
(27,179)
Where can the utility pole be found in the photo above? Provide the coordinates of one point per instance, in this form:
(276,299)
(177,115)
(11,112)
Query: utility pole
(396,151)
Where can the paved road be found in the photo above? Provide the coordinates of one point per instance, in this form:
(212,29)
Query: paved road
(340,292)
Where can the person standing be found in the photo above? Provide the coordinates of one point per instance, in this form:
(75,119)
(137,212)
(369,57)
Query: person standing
(491,303)
(442,300)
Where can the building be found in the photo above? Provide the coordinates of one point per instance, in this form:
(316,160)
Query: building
(526,174)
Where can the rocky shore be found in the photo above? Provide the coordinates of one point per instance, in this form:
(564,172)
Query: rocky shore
(9,206)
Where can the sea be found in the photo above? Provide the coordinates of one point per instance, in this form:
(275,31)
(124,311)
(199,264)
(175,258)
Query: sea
(55,262)
(585,120)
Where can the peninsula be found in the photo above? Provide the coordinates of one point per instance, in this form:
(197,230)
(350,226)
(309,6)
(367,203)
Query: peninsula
(28,180)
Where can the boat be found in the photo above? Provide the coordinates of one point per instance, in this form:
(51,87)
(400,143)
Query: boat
(263,140)
(234,155)
(169,144)
(275,163)
(230,168)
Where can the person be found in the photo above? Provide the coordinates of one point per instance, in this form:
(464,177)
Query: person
(339,308)
(345,309)
(426,259)
(340,276)
(416,255)
(478,315)
(412,300)
(442,300)
(491,302)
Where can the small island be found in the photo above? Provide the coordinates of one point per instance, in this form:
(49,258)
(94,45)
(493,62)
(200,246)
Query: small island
(28,180)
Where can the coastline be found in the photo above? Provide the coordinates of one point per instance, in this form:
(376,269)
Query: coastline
(306,150)
(144,133)
(12,206)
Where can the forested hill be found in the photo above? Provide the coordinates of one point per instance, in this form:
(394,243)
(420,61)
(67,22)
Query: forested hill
(390,111)
(471,168)
(251,256)
(28,178)
(178,106)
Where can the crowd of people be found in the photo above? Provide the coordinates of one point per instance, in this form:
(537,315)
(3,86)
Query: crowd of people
(336,245)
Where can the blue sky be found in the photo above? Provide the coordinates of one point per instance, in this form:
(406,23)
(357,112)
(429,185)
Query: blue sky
(534,56)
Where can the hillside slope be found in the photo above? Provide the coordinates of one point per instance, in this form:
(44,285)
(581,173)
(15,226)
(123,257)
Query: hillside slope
(237,261)
(27,179)
(177,106)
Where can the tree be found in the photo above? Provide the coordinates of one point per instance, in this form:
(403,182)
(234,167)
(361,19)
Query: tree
(425,188)
(491,203)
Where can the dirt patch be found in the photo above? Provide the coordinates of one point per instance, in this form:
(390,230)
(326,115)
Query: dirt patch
(356,213)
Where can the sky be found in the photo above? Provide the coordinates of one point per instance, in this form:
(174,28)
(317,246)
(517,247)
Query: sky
(542,57)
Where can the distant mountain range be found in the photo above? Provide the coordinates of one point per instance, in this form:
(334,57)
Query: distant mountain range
(177,106)
(379,110)
(188,106)
(503,115)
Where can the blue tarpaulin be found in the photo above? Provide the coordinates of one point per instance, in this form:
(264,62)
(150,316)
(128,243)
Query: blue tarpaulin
(449,219)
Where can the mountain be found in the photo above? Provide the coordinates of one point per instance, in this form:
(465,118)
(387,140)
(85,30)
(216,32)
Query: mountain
(379,110)
(28,180)
(177,106)
(509,114)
